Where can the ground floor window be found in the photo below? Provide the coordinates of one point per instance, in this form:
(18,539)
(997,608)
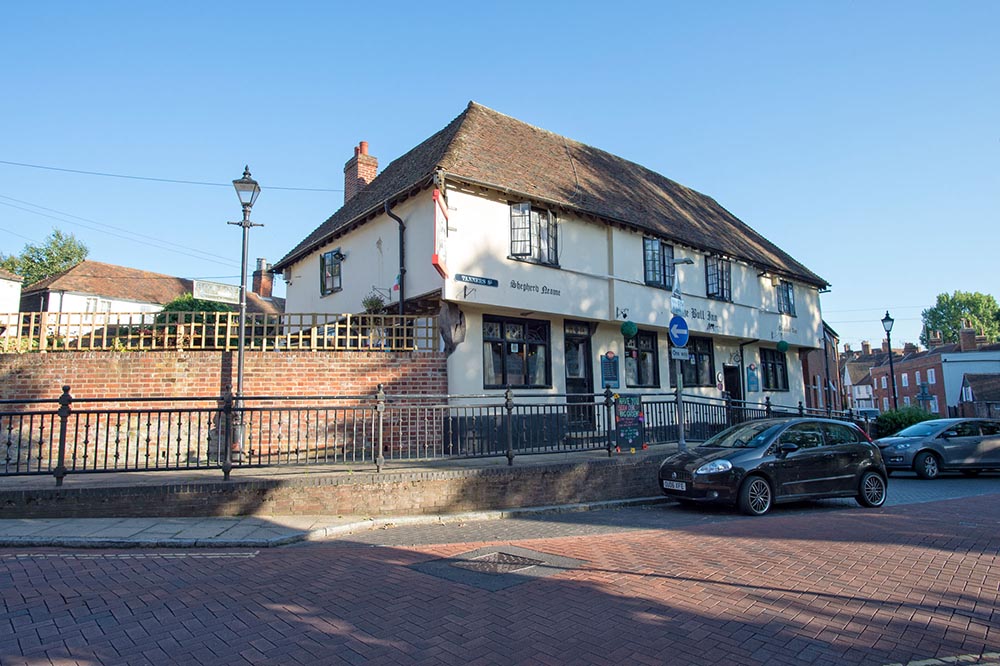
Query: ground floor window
(774,369)
(642,366)
(699,369)
(516,353)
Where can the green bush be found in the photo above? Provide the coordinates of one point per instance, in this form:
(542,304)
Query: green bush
(889,423)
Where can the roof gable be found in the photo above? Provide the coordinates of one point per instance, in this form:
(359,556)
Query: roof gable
(7,275)
(489,148)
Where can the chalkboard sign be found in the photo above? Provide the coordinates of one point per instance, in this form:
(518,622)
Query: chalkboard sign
(629,420)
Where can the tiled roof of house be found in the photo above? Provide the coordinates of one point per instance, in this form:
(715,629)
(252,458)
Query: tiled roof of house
(131,284)
(7,275)
(985,387)
(488,148)
(858,372)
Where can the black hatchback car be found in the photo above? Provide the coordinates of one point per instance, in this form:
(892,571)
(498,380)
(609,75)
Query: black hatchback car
(757,464)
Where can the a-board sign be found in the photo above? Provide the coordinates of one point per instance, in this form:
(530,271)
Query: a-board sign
(629,420)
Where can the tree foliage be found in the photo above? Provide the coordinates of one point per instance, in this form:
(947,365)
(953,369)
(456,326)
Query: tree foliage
(188,303)
(980,311)
(36,262)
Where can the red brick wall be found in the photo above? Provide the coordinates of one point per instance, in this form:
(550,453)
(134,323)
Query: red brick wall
(204,374)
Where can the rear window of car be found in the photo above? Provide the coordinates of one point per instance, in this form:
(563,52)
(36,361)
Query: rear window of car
(990,428)
(834,433)
(966,429)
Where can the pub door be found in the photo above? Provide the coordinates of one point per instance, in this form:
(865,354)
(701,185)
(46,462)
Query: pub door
(579,375)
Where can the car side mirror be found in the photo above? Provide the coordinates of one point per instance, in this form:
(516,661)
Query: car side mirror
(949,433)
(787,447)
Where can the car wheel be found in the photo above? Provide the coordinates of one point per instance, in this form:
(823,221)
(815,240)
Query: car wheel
(871,490)
(926,465)
(755,496)
(970,472)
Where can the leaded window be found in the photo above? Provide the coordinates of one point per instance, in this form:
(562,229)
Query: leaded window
(329,272)
(642,366)
(699,369)
(718,277)
(786,298)
(533,234)
(774,370)
(516,353)
(658,263)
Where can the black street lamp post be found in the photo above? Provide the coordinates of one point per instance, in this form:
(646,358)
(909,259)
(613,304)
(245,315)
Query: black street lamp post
(887,323)
(247,189)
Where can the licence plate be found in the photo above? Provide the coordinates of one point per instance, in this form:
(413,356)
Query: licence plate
(674,485)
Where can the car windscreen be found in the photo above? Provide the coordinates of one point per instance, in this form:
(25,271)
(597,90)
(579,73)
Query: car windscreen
(744,436)
(919,430)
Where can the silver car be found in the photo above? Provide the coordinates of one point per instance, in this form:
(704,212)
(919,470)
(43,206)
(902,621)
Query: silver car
(931,447)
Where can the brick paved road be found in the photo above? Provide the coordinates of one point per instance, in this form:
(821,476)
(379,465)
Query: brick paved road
(818,584)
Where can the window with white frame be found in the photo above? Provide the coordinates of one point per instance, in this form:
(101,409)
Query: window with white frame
(329,272)
(98,305)
(906,400)
(642,366)
(885,404)
(786,298)
(533,234)
(719,278)
(884,382)
(905,377)
(658,263)
(931,376)
(934,405)
(917,377)
(516,353)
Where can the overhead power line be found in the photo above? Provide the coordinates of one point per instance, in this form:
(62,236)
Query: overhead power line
(160,180)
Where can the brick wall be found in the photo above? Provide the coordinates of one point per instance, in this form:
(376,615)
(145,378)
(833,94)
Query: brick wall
(203,374)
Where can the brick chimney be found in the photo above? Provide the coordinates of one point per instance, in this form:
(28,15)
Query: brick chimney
(263,280)
(967,340)
(885,346)
(909,348)
(866,348)
(359,171)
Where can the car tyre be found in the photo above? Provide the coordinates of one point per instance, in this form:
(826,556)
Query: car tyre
(927,465)
(871,490)
(756,496)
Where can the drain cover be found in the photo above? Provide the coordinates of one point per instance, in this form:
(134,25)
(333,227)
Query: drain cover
(493,570)
(498,563)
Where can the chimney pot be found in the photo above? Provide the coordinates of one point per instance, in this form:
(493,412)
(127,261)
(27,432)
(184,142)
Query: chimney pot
(359,171)
(364,147)
(263,280)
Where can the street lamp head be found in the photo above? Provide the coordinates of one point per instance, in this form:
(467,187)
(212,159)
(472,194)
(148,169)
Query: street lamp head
(887,322)
(247,188)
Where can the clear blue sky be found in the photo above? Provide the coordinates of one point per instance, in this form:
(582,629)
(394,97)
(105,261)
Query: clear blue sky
(861,137)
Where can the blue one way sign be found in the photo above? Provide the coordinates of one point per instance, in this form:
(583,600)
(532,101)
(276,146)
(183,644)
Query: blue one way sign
(678,331)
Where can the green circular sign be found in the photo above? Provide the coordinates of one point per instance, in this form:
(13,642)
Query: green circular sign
(629,329)
(782,346)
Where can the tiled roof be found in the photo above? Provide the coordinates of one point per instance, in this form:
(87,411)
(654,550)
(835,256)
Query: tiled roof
(131,284)
(484,147)
(985,387)
(7,275)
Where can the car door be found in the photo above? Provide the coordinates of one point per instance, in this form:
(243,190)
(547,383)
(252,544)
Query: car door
(988,454)
(807,470)
(843,443)
(958,444)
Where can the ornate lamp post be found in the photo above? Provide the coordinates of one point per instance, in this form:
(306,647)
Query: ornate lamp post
(887,323)
(247,190)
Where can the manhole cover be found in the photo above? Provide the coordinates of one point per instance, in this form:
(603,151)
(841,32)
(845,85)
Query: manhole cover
(498,563)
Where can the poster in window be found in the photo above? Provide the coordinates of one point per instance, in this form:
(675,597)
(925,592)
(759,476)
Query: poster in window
(753,384)
(609,371)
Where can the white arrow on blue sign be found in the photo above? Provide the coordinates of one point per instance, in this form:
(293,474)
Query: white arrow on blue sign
(678,331)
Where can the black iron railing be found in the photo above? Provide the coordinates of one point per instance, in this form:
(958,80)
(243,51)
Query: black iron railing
(73,436)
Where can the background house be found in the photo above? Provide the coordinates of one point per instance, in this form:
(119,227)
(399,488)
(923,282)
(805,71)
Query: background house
(980,396)
(95,287)
(557,267)
(10,298)
(822,373)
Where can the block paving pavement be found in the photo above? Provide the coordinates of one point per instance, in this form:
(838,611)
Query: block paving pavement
(909,584)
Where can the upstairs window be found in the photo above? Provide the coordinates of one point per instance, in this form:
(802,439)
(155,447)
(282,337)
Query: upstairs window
(718,276)
(658,263)
(931,376)
(533,234)
(774,369)
(917,373)
(642,366)
(329,272)
(906,380)
(786,298)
